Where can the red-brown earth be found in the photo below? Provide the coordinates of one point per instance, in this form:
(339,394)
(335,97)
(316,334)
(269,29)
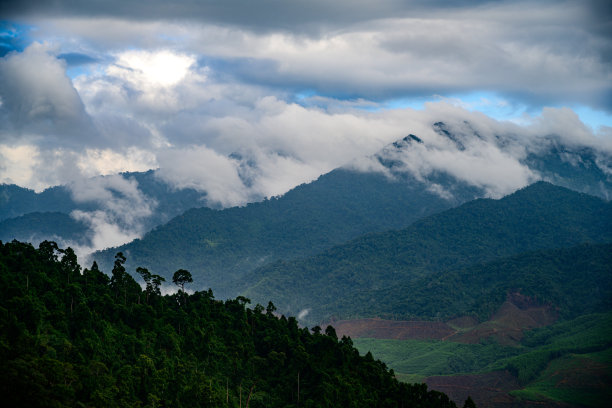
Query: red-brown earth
(517,314)
(393,329)
(489,390)
(506,326)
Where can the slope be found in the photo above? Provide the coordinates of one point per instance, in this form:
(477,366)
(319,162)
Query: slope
(37,226)
(574,281)
(537,217)
(82,339)
(220,245)
(20,206)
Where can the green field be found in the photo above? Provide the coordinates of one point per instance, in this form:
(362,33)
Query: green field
(435,357)
(569,362)
(575,378)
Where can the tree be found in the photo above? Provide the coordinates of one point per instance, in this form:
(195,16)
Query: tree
(469,403)
(181,277)
(152,282)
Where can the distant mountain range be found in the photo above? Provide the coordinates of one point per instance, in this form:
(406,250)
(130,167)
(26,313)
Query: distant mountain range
(222,245)
(218,246)
(25,214)
(499,283)
(340,281)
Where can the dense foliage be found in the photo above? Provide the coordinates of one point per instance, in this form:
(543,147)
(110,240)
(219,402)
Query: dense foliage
(541,216)
(220,245)
(576,280)
(72,338)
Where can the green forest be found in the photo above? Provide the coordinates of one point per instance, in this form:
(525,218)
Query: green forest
(218,246)
(471,255)
(82,338)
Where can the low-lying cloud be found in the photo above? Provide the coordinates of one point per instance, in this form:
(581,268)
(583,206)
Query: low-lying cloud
(119,211)
(240,103)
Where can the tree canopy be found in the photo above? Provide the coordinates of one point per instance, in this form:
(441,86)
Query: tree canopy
(79,338)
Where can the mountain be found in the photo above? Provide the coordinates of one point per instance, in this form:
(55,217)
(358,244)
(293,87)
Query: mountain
(220,245)
(541,216)
(83,339)
(411,178)
(37,227)
(572,281)
(16,201)
(112,195)
(387,192)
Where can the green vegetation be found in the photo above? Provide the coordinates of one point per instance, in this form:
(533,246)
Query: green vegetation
(219,246)
(578,379)
(583,335)
(72,338)
(425,358)
(575,280)
(569,362)
(395,273)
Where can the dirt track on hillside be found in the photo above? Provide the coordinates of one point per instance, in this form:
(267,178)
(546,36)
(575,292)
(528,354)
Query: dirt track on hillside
(392,329)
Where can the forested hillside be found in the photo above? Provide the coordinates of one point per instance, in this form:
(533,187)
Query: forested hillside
(221,245)
(72,338)
(574,281)
(38,226)
(540,216)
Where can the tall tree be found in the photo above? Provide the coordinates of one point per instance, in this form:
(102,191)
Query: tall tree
(181,277)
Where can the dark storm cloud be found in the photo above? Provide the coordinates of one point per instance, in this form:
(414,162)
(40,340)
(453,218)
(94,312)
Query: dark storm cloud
(261,15)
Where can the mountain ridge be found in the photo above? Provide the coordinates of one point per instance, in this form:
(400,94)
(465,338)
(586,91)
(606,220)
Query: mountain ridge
(537,217)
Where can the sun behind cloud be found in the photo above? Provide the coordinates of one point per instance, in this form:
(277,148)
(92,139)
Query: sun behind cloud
(154,68)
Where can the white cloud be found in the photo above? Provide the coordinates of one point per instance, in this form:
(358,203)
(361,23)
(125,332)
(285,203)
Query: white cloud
(96,162)
(39,98)
(203,169)
(16,165)
(122,209)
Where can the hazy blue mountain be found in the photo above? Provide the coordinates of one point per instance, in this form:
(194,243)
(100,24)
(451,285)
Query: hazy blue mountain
(53,206)
(38,226)
(16,201)
(220,245)
(388,193)
(541,216)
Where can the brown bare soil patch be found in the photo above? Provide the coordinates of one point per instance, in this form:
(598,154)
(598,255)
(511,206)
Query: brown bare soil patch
(517,314)
(463,322)
(489,390)
(393,329)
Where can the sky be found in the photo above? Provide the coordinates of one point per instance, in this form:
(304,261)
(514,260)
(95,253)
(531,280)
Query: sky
(244,99)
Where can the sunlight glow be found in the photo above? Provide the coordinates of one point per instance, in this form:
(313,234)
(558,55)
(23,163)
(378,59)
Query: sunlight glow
(161,68)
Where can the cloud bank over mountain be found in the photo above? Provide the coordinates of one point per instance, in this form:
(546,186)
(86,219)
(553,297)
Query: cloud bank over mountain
(243,100)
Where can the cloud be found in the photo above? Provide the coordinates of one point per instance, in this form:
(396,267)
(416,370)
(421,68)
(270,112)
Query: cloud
(303,313)
(38,97)
(242,103)
(205,170)
(15,165)
(120,209)
(483,152)
(544,53)
(264,15)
